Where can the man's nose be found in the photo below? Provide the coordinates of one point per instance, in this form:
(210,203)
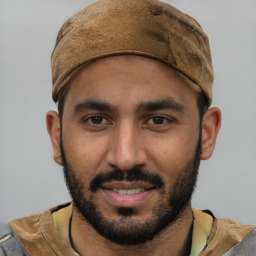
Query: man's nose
(126,150)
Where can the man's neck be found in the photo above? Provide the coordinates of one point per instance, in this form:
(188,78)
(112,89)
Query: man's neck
(174,240)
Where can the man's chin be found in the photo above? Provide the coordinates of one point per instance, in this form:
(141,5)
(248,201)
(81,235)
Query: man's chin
(127,212)
(126,227)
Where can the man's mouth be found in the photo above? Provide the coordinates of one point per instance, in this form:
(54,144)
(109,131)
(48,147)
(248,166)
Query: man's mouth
(127,194)
(128,191)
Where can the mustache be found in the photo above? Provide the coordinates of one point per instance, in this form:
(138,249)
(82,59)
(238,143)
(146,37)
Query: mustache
(134,174)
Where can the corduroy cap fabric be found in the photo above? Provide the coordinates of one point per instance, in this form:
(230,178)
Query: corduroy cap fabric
(149,28)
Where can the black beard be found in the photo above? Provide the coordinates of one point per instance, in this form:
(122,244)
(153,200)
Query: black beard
(125,230)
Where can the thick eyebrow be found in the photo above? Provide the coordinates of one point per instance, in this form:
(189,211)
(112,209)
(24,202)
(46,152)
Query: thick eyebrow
(166,103)
(92,105)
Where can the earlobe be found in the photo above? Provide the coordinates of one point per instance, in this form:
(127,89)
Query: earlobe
(210,127)
(53,127)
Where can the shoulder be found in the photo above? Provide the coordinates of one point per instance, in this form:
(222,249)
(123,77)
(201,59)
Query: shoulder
(32,227)
(246,247)
(9,243)
(226,234)
(28,225)
(38,235)
(27,230)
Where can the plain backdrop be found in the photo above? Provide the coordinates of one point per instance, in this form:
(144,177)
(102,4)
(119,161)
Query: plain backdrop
(30,181)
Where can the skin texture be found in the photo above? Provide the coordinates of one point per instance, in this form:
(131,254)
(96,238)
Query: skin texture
(126,134)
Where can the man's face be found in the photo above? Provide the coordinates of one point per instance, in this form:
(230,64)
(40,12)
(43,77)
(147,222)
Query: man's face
(130,146)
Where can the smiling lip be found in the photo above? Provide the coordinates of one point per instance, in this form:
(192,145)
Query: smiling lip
(127,194)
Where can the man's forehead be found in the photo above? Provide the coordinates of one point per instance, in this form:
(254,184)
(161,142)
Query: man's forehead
(136,100)
(131,75)
(129,64)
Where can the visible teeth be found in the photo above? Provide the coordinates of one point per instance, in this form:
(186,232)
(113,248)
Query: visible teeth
(122,192)
(128,191)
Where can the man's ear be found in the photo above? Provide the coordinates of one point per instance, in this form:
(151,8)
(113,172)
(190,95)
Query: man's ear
(53,127)
(210,127)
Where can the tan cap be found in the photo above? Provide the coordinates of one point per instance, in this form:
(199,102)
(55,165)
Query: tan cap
(148,28)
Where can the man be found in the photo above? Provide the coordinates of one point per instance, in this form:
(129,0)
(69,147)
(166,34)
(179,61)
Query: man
(133,84)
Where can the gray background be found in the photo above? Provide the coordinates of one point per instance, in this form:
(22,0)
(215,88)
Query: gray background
(31,182)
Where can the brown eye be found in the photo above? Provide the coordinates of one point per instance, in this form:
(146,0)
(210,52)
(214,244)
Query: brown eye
(96,122)
(96,119)
(158,120)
